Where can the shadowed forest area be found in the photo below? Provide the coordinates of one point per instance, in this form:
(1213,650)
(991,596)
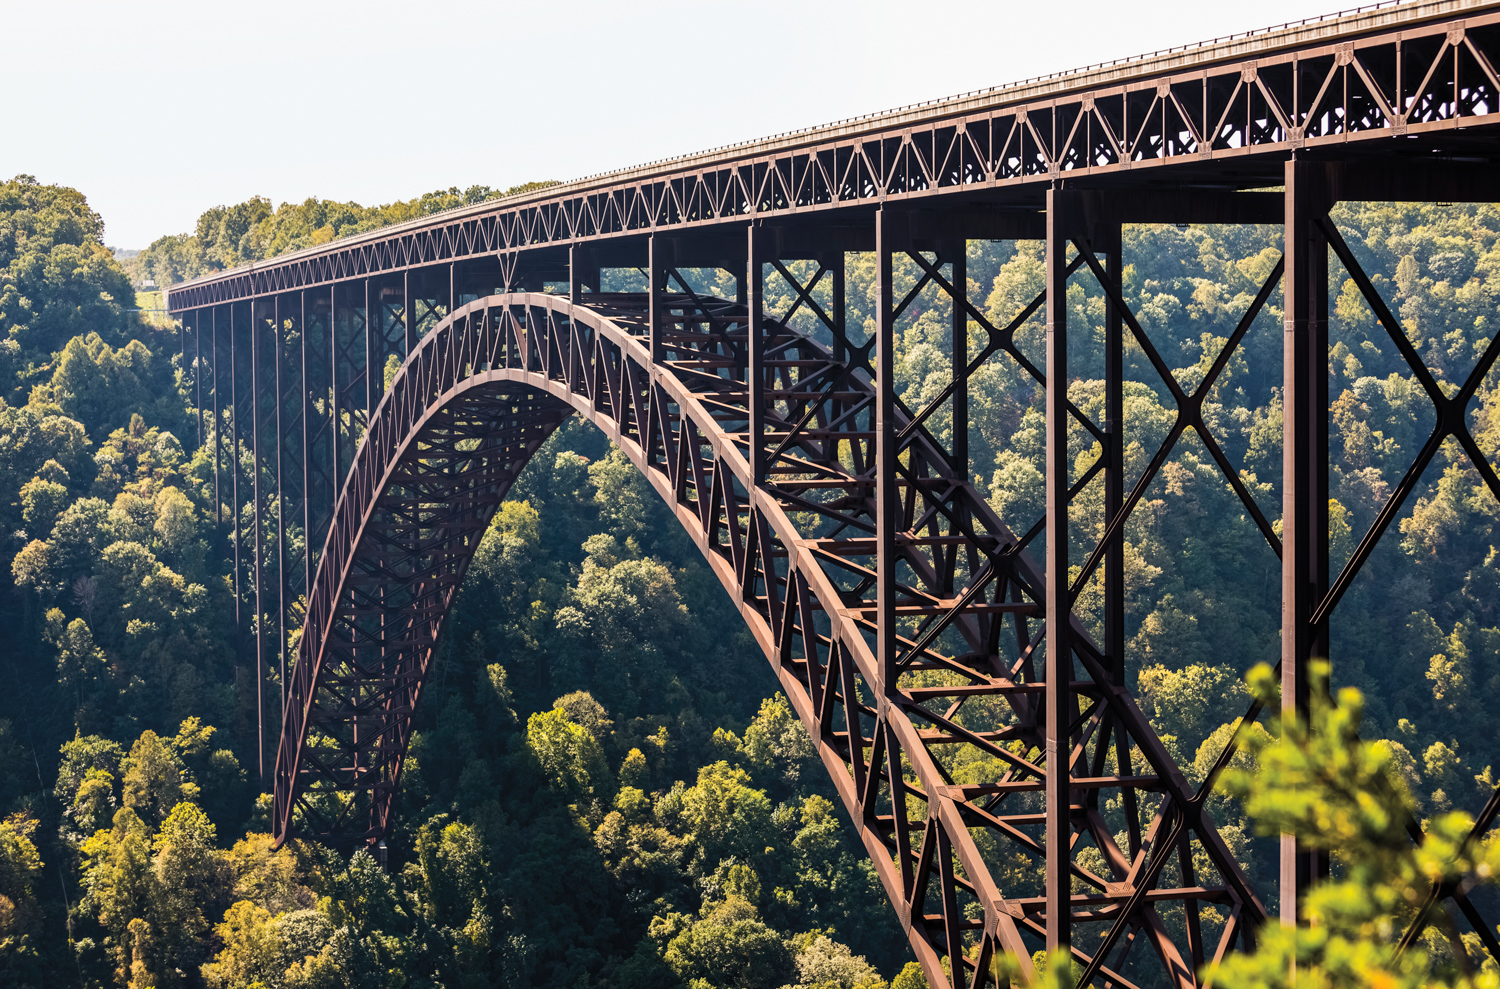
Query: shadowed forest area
(606,788)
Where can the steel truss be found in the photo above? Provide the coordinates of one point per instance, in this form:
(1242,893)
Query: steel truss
(880,584)
(916,634)
(903,618)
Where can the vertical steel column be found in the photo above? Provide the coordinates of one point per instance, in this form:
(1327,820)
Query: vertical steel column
(452,296)
(1109,246)
(960,350)
(213,317)
(755,349)
(234,465)
(335,419)
(307,485)
(374,377)
(1057,711)
(839,305)
(654,310)
(1304,482)
(886,500)
(279,352)
(583,272)
(406,321)
(198,369)
(257,545)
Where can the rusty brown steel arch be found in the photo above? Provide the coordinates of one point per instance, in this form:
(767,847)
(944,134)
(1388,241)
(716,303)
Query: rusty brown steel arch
(898,659)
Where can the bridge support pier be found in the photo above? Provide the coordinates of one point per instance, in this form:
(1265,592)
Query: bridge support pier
(1059,705)
(755,348)
(885,448)
(1304,559)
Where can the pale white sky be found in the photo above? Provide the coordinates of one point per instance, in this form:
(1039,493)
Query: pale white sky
(158,109)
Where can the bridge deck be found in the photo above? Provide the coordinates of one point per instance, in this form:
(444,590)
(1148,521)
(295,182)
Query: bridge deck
(1413,80)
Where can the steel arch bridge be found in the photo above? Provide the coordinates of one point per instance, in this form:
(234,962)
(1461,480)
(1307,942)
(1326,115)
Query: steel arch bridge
(905,621)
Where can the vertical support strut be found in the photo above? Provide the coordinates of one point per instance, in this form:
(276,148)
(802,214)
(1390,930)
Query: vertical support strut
(755,347)
(886,505)
(960,407)
(1108,244)
(408,331)
(278,354)
(836,263)
(257,548)
(1304,482)
(307,485)
(374,375)
(1058,712)
(234,466)
(198,369)
(213,318)
(654,285)
(335,417)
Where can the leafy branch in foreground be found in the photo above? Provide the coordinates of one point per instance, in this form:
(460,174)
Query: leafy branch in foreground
(1343,796)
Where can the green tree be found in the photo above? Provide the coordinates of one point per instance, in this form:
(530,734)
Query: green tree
(20,909)
(155,780)
(571,758)
(1344,796)
(57,279)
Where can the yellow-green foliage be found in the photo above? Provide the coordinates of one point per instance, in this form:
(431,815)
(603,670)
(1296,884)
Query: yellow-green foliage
(1345,797)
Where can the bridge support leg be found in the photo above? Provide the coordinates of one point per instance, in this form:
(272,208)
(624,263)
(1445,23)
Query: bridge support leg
(886,497)
(957,251)
(335,405)
(1304,485)
(583,273)
(659,259)
(198,370)
(278,330)
(836,266)
(408,330)
(1059,710)
(234,466)
(755,348)
(1107,243)
(218,423)
(374,364)
(257,539)
(305,387)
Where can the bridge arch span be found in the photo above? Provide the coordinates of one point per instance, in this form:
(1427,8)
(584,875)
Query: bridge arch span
(797,550)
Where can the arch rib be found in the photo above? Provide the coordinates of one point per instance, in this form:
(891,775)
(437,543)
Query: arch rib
(938,760)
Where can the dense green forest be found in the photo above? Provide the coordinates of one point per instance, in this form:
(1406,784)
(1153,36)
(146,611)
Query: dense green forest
(606,788)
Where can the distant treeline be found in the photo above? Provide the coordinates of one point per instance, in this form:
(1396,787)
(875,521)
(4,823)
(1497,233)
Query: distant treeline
(228,236)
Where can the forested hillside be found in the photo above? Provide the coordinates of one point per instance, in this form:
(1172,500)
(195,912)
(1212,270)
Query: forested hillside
(606,788)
